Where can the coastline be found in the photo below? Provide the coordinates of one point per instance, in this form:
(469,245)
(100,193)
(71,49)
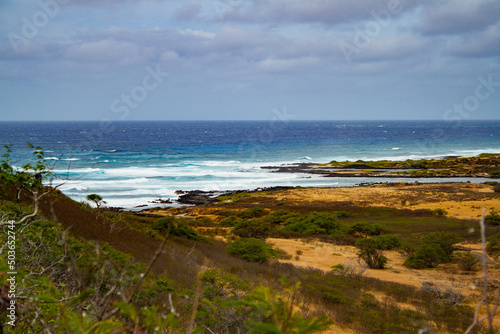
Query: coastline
(483,167)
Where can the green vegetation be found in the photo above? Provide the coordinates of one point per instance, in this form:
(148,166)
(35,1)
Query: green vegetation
(29,176)
(314,223)
(382,242)
(252,229)
(484,163)
(250,249)
(364,229)
(280,312)
(466,261)
(369,249)
(373,257)
(493,245)
(440,212)
(492,218)
(233,197)
(96,199)
(434,249)
(169,226)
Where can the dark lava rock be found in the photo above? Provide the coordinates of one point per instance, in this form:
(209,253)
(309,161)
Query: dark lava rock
(197,197)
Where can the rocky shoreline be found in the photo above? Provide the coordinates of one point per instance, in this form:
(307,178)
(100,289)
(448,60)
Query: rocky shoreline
(484,166)
(449,167)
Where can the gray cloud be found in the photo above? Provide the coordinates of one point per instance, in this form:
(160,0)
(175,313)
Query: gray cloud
(457,17)
(326,12)
(482,45)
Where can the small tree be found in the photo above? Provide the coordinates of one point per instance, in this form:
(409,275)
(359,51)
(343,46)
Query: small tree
(492,218)
(96,199)
(373,258)
(466,261)
(493,246)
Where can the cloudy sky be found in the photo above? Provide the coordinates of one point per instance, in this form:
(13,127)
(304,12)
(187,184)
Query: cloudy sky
(246,59)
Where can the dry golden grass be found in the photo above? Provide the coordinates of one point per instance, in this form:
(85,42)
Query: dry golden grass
(460,200)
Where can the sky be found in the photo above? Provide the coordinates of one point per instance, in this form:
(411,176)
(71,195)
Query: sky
(249,59)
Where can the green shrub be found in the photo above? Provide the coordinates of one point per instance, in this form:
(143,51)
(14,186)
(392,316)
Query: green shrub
(466,261)
(230,221)
(385,242)
(493,246)
(444,240)
(373,258)
(254,228)
(162,225)
(342,214)
(279,217)
(250,249)
(365,229)
(177,228)
(252,213)
(226,213)
(426,255)
(435,248)
(414,262)
(314,223)
(492,218)
(440,212)
(496,188)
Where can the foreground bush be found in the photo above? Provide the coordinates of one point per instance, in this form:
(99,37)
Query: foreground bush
(250,249)
(280,312)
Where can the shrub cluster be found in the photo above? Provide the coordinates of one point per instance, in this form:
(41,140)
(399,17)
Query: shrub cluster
(365,229)
(492,218)
(253,228)
(384,242)
(250,249)
(314,223)
(435,248)
(175,227)
(493,246)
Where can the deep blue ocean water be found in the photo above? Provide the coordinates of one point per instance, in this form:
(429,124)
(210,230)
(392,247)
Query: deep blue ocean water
(132,163)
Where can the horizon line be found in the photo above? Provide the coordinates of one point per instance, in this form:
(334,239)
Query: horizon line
(253,120)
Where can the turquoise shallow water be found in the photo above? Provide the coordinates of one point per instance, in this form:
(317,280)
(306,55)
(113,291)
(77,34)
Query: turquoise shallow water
(132,163)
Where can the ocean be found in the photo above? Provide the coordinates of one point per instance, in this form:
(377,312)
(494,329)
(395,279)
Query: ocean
(131,164)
